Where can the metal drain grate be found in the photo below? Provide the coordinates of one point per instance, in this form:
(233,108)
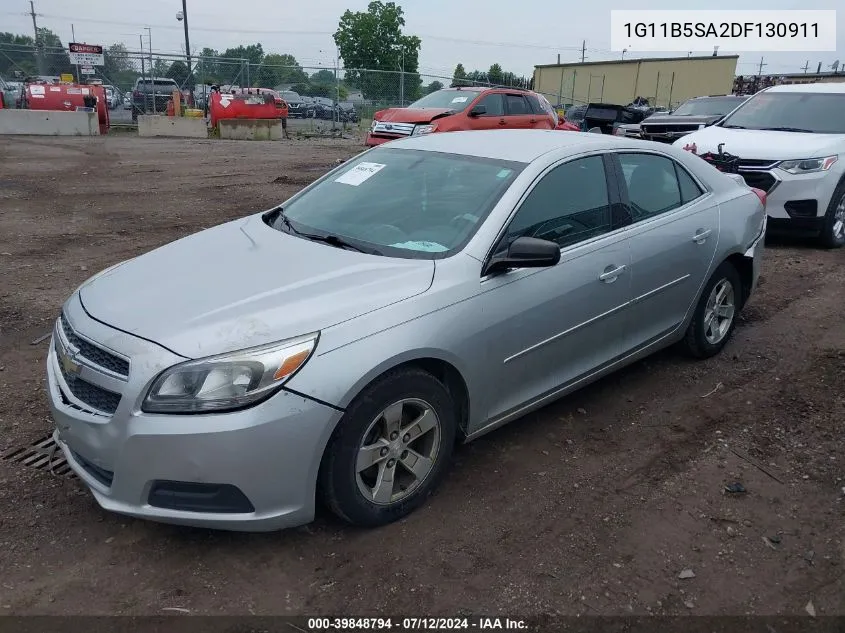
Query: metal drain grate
(43,454)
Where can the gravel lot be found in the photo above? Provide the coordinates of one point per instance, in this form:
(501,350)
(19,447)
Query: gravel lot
(593,505)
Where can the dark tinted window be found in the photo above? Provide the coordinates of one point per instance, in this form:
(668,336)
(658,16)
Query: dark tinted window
(652,185)
(517,105)
(494,103)
(689,188)
(569,205)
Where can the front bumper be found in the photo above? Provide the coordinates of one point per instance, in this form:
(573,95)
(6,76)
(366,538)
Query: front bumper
(373,140)
(270,453)
(797,203)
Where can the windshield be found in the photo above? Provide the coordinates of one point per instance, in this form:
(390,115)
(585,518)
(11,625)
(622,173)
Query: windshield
(403,203)
(707,107)
(814,112)
(456,100)
(291,96)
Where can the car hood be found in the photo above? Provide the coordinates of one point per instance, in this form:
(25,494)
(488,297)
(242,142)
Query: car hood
(413,115)
(765,144)
(243,284)
(669,119)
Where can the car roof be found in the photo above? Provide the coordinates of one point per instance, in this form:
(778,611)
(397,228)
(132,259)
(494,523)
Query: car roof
(522,146)
(832,88)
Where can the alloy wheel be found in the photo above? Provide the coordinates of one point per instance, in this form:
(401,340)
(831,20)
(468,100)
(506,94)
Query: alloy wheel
(398,451)
(838,228)
(719,312)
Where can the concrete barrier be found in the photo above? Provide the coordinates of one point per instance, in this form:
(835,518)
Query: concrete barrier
(49,123)
(251,129)
(178,126)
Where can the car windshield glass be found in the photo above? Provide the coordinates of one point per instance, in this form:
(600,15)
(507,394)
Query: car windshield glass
(707,107)
(456,100)
(403,203)
(818,113)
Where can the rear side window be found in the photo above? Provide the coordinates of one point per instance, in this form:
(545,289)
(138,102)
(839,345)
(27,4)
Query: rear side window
(536,105)
(652,185)
(689,188)
(517,105)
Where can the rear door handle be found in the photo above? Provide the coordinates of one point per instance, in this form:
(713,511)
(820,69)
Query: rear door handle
(533,120)
(610,274)
(502,122)
(701,235)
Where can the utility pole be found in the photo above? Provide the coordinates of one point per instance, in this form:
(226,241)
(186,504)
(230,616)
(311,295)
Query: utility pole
(187,47)
(73,35)
(806,66)
(39,52)
(760,69)
(583,51)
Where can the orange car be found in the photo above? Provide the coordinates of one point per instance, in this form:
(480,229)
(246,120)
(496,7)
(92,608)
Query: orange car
(464,108)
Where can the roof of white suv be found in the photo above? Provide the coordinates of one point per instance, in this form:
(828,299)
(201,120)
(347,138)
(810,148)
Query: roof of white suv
(835,88)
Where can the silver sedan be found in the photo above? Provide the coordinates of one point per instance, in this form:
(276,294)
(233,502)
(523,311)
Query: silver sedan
(423,293)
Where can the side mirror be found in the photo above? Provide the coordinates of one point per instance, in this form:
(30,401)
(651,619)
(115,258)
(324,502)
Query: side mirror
(594,130)
(525,252)
(478,110)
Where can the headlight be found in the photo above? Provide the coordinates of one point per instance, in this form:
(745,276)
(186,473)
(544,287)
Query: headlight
(423,129)
(228,381)
(808,165)
(373,125)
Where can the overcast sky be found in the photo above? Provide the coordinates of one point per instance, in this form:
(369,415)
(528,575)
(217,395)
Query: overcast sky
(516,34)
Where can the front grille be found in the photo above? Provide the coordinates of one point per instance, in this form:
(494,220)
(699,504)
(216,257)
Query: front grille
(394,129)
(674,130)
(94,354)
(105,477)
(759,180)
(91,395)
(756,163)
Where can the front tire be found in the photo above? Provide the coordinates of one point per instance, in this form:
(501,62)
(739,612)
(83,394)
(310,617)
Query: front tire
(833,227)
(714,318)
(390,450)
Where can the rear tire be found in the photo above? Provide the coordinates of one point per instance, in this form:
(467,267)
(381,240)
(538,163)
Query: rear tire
(833,227)
(715,315)
(390,450)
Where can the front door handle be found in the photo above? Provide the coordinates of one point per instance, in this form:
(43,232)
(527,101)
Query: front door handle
(533,120)
(611,273)
(701,235)
(502,122)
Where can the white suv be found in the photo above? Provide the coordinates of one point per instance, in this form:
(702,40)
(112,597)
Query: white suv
(791,143)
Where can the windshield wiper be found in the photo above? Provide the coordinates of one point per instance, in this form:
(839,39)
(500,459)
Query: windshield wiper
(787,129)
(735,127)
(331,240)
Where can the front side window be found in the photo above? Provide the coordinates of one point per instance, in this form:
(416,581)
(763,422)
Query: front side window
(817,113)
(494,103)
(569,205)
(402,203)
(652,184)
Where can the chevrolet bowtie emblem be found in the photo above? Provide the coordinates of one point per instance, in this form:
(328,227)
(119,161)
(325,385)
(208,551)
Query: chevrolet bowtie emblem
(69,365)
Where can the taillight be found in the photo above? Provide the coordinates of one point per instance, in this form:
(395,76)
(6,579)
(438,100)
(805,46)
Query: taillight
(760,194)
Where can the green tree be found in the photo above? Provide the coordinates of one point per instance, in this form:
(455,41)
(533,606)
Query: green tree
(459,76)
(56,58)
(278,69)
(17,54)
(434,86)
(323,77)
(208,67)
(119,68)
(178,72)
(373,40)
(495,75)
(240,63)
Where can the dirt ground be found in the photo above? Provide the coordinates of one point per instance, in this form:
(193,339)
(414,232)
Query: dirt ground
(593,505)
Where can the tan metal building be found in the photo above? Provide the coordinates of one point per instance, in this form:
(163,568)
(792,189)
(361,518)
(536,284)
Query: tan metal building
(664,81)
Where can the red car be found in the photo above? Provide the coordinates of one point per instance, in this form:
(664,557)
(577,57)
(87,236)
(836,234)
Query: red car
(464,108)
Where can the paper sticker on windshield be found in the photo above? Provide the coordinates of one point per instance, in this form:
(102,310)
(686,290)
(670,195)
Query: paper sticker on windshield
(359,173)
(504,173)
(459,99)
(428,247)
